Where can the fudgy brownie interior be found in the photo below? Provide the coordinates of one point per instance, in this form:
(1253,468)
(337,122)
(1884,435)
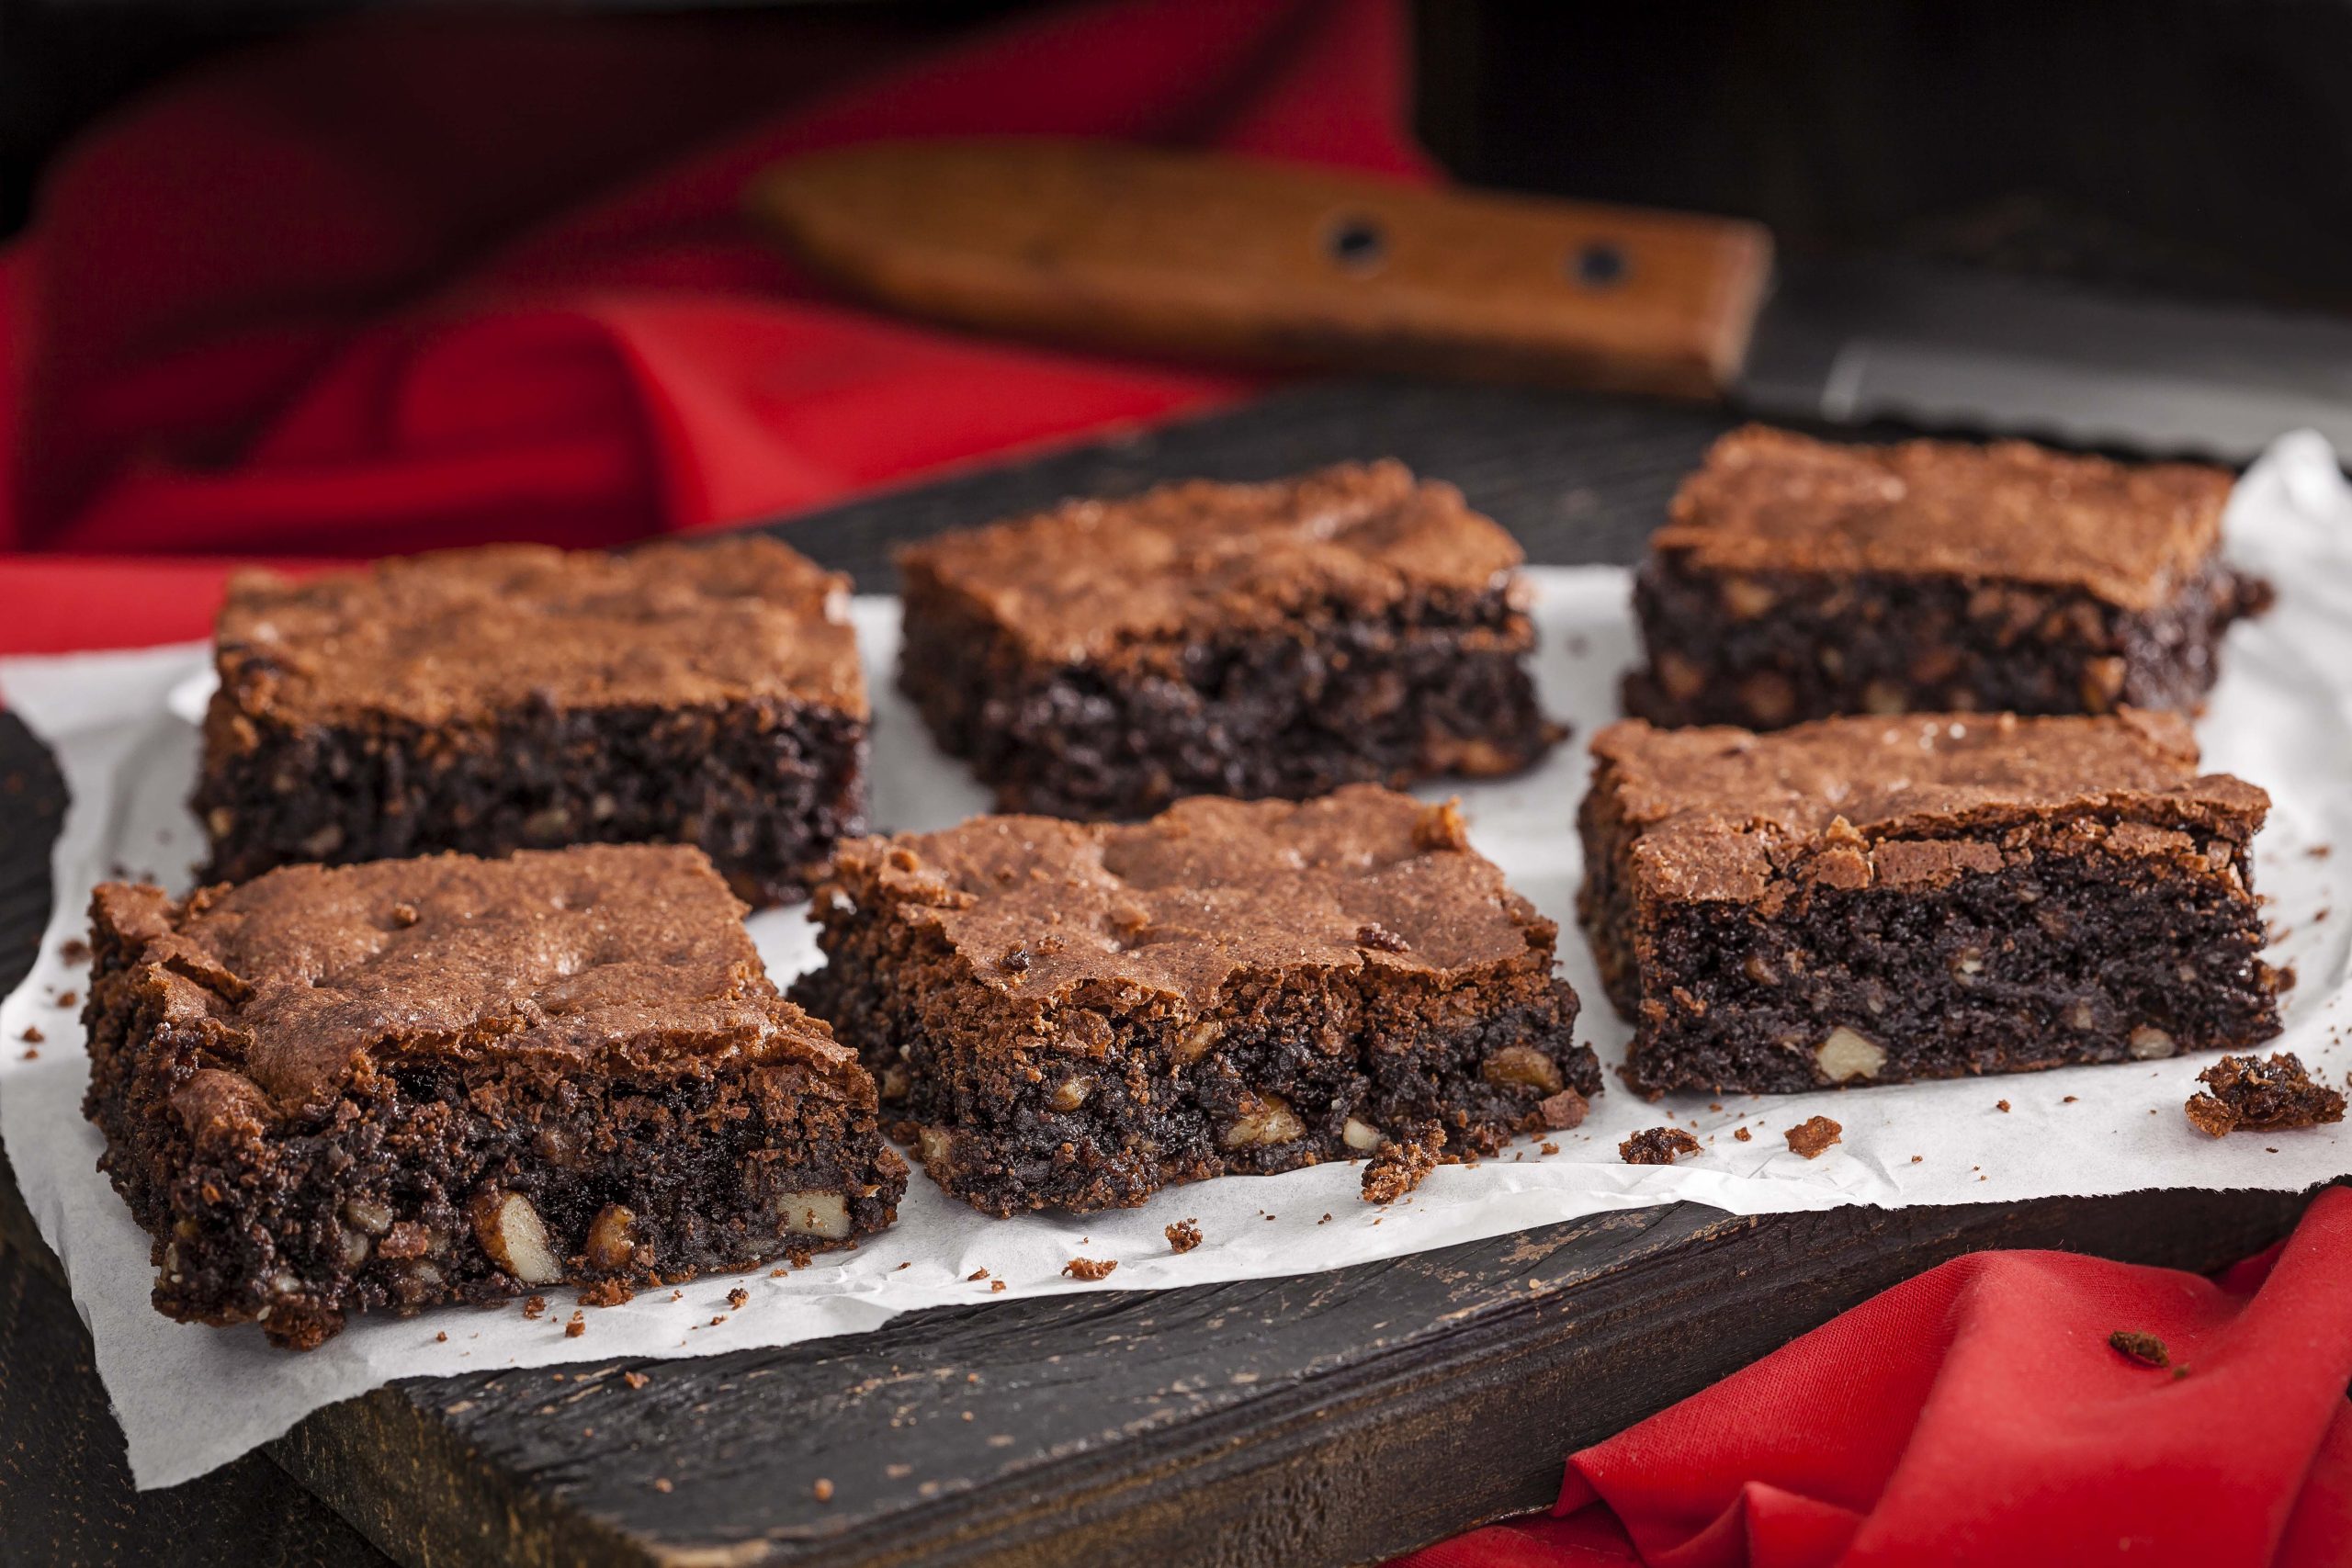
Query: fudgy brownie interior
(1073,1016)
(1104,659)
(388,1086)
(521,697)
(1798,579)
(1874,900)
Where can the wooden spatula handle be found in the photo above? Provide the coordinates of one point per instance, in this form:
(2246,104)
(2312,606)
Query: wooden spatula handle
(1221,257)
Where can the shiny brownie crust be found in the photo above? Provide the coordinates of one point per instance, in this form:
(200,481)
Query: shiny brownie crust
(1861,901)
(396,1086)
(1798,579)
(1351,626)
(1072,1016)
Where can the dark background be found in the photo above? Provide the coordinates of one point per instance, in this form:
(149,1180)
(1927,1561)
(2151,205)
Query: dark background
(2191,147)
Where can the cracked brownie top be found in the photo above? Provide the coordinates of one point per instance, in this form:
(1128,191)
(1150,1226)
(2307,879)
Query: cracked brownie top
(1725,813)
(1210,894)
(1198,555)
(435,638)
(606,959)
(1771,501)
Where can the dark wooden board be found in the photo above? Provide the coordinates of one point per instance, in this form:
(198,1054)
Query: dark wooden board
(1330,1418)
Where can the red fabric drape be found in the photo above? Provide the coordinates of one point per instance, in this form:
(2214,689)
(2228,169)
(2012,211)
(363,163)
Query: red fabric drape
(380,289)
(1978,1415)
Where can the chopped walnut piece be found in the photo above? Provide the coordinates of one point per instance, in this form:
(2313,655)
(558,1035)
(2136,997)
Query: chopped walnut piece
(1563,1111)
(2144,1348)
(533,1305)
(1184,1236)
(635,1379)
(1657,1146)
(577,1325)
(1742,1134)
(1813,1136)
(2246,1095)
(739,1298)
(1090,1268)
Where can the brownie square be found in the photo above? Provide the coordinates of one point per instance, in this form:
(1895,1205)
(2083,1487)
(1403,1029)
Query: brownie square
(1103,659)
(1799,579)
(341,1089)
(1868,900)
(520,697)
(1072,1016)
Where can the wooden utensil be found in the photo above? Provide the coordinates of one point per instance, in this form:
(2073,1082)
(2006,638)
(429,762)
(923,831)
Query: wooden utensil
(1269,264)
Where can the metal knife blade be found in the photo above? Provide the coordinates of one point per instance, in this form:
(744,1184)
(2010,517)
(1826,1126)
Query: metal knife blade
(1948,350)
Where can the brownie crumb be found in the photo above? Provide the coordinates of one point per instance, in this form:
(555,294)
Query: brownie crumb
(69,999)
(1563,1111)
(33,1036)
(2144,1348)
(2243,1093)
(74,950)
(1742,1134)
(533,1305)
(1811,1136)
(442,1337)
(576,1325)
(1372,934)
(822,1490)
(1184,1236)
(608,1293)
(1016,962)
(1398,1166)
(1658,1145)
(739,1298)
(977,1274)
(1547,1146)
(635,1379)
(1442,827)
(1090,1268)
(999,1284)
(2000,1105)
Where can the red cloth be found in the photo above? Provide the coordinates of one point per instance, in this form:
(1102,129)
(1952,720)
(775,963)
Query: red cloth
(363,292)
(1978,1415)
(378,288)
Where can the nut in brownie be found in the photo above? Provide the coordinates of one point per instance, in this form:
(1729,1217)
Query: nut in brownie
(1868,900)
(1072,1016)
(1353,625)
(1799,578)
(521,697)
(389,1085)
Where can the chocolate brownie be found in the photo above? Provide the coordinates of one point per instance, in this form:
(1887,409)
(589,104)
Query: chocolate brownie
(1868,900)
(341,1090)
(1798,579)
(1071,1015)
(520,697)
(1102,660)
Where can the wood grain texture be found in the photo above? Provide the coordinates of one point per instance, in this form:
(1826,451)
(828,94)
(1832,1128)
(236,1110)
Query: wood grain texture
(1329,1418)
(1230,259)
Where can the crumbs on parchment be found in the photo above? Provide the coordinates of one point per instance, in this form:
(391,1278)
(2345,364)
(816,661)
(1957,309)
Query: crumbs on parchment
(1657,1146)
(1814,1134)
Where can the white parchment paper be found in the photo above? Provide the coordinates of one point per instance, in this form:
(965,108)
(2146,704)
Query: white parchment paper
(191,1398)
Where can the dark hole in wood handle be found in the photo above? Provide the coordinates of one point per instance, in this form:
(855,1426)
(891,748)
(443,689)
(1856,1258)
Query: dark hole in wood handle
(1356,243)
